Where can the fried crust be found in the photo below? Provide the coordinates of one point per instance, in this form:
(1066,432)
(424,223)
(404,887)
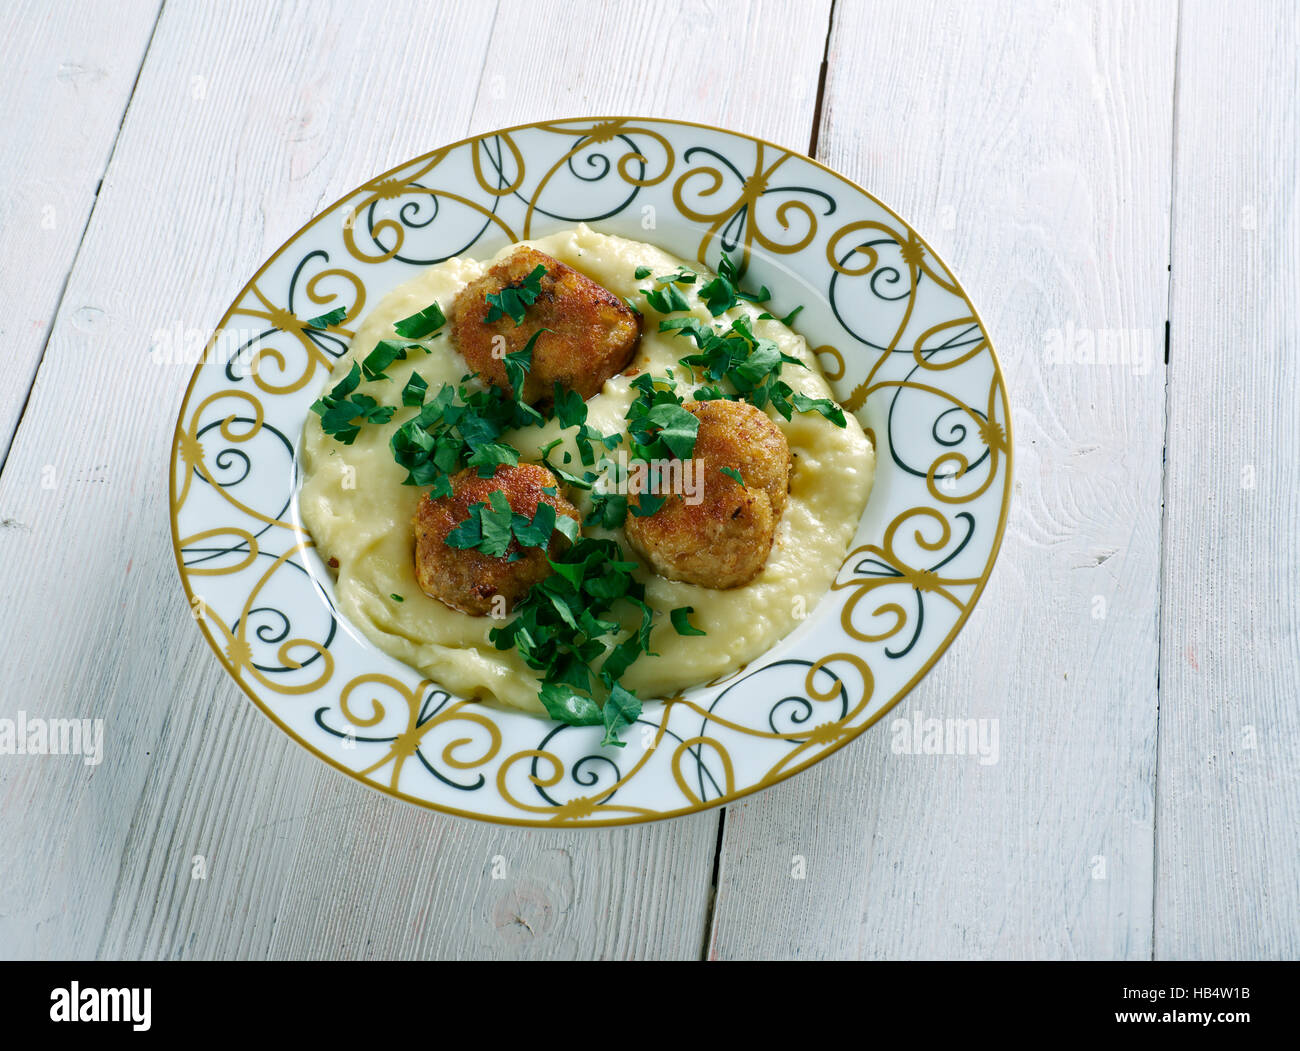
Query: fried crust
(724,540)
(466,579)
(593,334)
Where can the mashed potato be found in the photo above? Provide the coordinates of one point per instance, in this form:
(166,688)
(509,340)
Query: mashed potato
(359,514)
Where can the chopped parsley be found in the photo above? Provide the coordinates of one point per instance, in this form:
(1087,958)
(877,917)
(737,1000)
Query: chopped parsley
(724,291)
(567,622)
(513,301)
(660,428)
(571,410)
(414,391)
(385,353)
(750,364)
(666,300)
(398,598)
(491,528)
(324,321)
(422,325)
(457,428)
(731,472)
(681,276)
(520,363)
(681,621)
(342,407)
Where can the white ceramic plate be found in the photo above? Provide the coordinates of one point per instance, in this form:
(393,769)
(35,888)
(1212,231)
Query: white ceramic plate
(895,333)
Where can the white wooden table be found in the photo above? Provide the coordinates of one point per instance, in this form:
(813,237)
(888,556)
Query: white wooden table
(1094,172)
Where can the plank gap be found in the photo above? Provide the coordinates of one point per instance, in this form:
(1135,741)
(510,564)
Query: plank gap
(821,83)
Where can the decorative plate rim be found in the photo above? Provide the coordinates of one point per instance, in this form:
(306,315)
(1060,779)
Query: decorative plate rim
(851,733)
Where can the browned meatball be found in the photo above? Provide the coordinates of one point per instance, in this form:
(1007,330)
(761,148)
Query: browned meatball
(468,579)
(592,333)
(723,540)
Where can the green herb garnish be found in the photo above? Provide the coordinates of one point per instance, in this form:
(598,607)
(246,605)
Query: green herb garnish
(513,301)
(421,325)
(750,364)
(660,428)
(681,622)
(681,276)
(724,291)
(666,300)
(520,362)
(385,353)
(324,321)
(414,391)
(342,407)
(731,472)
(491,527)
(457,428)
(622,708)
(566,623)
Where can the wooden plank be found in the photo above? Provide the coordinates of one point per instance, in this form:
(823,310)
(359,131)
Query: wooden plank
(65,82)
(299,861)
(748,65)
(1228,882)
(1031,145)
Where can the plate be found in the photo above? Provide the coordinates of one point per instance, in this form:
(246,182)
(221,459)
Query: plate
(897,337)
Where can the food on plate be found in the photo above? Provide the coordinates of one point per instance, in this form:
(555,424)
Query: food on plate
(722,539)
(466,553)
(584,486)
(584,333)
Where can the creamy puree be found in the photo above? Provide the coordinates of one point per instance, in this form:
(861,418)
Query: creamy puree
(359,513)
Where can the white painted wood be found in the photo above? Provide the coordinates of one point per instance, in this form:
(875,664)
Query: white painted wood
(66,75)
(232,142)
(754,62)
(1030,143)
(1228,847)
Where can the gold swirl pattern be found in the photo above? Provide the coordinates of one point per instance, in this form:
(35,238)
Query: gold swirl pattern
(740,212)
(911,359)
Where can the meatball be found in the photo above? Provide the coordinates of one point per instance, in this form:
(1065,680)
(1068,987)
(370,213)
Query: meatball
(723,540)
(592,333)
(468,579)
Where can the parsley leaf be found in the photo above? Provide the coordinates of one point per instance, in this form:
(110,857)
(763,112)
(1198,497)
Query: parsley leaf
(566,705)
(622,708)
(681,622)
(666,300)
(340,409)
(823,405)
(731,472)
(565,625)
(385,353)
(423,324)
(514,300)
(324,321)
(750,364)
(457,428)
(724,291)
(414,391)
(487,527)
(657,424)
(520,363)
